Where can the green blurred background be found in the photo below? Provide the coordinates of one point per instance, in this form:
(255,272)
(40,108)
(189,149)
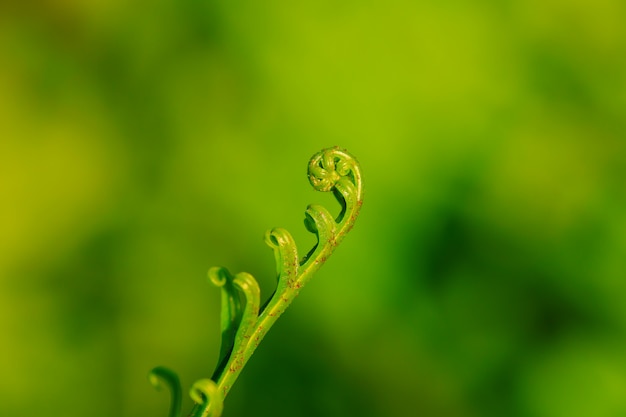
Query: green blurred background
(143,142)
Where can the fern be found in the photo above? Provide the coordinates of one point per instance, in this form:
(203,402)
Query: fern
(244,323)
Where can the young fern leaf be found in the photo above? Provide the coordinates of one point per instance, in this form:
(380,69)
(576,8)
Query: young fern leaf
(209,402)
(161,374)
(243,322)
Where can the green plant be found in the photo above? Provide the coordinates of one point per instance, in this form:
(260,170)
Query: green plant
(244,322)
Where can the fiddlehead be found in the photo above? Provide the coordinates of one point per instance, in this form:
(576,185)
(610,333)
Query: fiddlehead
(160,375)
(210,403)
(243,324)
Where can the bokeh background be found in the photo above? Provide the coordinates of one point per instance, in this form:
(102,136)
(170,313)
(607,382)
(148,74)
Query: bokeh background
(143,142)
